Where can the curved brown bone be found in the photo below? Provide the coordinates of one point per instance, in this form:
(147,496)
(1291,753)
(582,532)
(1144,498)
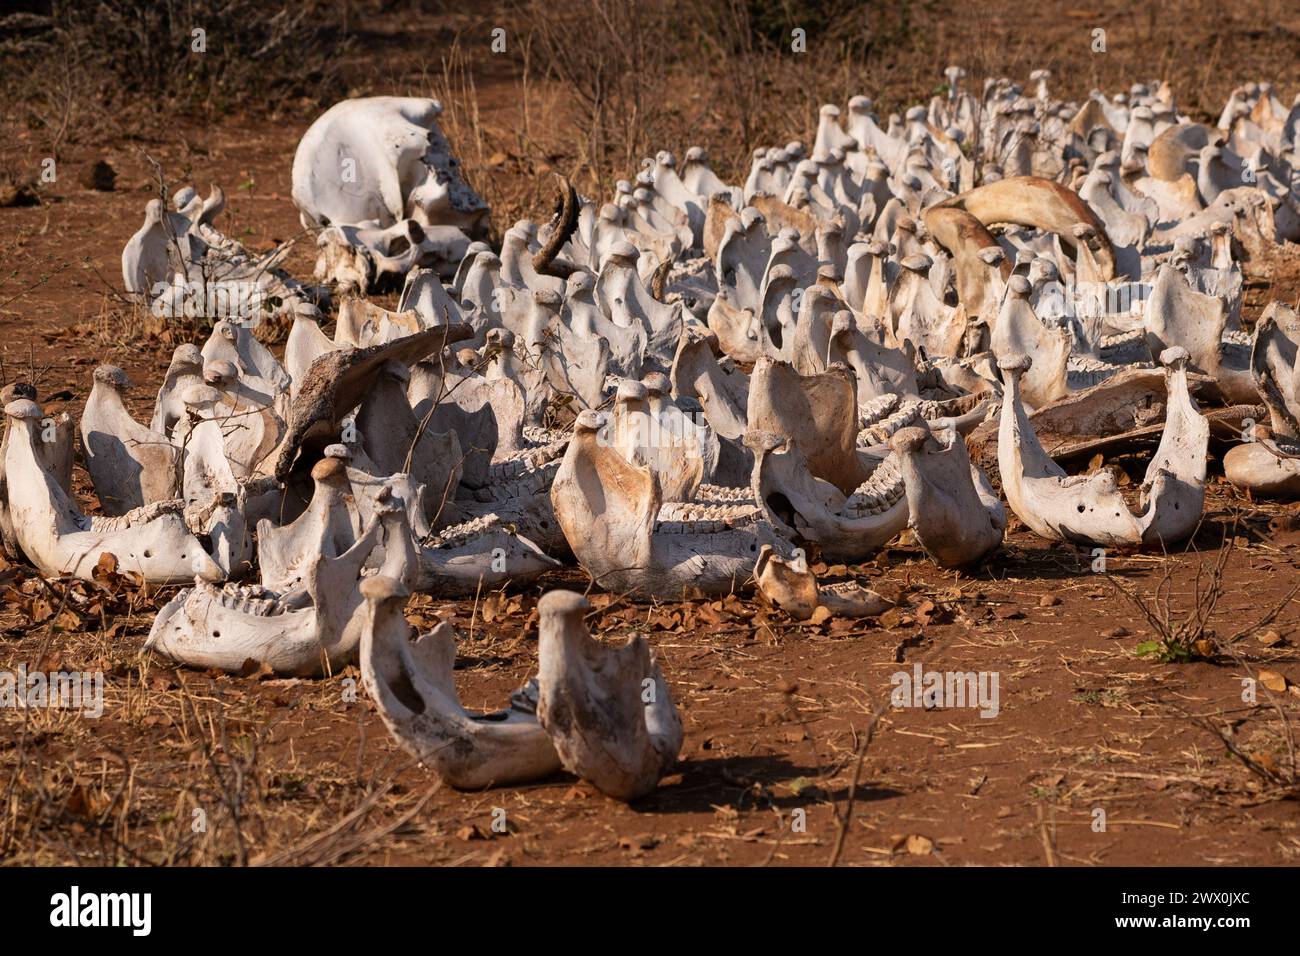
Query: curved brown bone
(1039,203)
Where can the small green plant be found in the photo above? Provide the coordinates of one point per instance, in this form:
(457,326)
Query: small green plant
(1166,652)
(1187,636)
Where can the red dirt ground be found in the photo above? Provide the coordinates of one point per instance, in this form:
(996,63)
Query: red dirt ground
(290,771)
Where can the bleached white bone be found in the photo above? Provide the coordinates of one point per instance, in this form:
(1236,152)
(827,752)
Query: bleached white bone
(608,710)
(153,541)
(414,688)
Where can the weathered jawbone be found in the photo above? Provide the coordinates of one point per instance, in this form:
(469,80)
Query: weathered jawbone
(312,627)
(129,465)
(1019,332)
(799,506)
(414,689)
(735,329)
(696,374)
(794,589)
(592,701)
(1273,366)
(656,434)
(953,511)
(1178,316)
(816,411)
(1089,510)
(337,381)
(208,626)
(479,555)
(883,416)
(1173,491)
(153,542)
(610,511)
(330,524)
(710,554)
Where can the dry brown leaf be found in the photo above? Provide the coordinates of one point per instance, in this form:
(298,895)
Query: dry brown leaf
(1273,681)
(1269,638)
(914,843)
(258,670)
(493,607)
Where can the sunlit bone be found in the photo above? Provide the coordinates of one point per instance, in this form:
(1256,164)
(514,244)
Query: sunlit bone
(1090,509)
(608,710)
(414,689)
(794,589)
(153,541)
(952,509)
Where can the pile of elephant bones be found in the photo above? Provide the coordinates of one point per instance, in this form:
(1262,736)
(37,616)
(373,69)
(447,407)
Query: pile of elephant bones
(684,391)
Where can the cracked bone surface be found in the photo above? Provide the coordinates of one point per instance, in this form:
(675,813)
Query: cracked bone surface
(608,710)
(413,686)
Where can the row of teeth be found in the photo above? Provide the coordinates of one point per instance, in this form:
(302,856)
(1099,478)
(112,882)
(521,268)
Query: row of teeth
(517,482)
(950,407)
(840,587)
(880,492)
(1122,338)
(137,516)
(1088,364)
(252,600)
(880,432)
(723,494)
(458,535)
(877,408)
(539,436)
(868,505)
(1080,378)
(527,460)
(704,526)
(699,511)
